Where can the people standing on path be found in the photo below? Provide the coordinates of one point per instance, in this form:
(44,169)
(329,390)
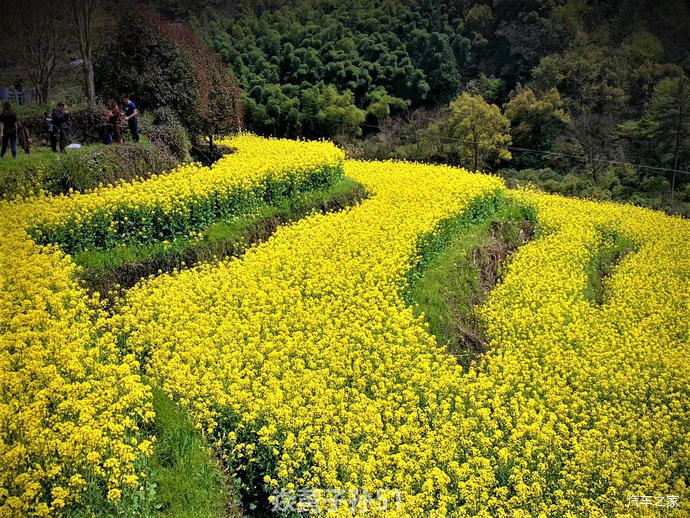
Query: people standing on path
(24,137)
(8,134)
(61,122)
(131,118)
(115,121)
(50,126)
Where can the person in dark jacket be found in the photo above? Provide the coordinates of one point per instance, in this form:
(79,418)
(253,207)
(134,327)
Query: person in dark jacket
(8,119)
(24,137)
(50,126)
(62,124)
(131,114)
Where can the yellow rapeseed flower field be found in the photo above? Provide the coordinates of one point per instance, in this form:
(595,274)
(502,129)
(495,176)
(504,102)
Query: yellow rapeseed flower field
(303,365)
(72,407)
(306,366)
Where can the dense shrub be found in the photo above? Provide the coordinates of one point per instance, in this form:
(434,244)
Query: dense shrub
(87,124)
(164,130)
(141,62)
(81,169)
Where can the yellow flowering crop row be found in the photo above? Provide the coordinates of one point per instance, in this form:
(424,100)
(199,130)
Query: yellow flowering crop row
(70,411)
(71,408)
(186,199)
(304,363)
(588,403)
(305,354)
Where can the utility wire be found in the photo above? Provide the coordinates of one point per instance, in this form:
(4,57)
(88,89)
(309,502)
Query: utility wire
(521,149)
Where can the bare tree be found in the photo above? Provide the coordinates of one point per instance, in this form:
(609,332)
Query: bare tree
(84,14)
(33,33)
(592,136)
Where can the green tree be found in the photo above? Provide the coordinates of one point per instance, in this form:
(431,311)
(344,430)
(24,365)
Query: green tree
(490,88)
(217,110)
(667,122)
(584,77)
(381,104)
(142,62)
(535,120)
(481,129)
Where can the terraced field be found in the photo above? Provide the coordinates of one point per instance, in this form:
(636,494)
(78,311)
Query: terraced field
(308,362)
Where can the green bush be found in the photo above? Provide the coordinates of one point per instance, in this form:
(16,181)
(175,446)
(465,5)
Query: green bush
(164,130)
(87,168)
(87,124)
(80,169)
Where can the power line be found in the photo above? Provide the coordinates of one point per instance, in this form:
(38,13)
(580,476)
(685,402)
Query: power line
(520,149)
(597,160)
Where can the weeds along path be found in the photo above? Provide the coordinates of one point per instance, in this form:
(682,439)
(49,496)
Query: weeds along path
(304,365)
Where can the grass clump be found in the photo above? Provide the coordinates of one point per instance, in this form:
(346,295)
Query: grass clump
(461,274)
(188,480)
(612,250)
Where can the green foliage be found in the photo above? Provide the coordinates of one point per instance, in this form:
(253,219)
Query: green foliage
(142,62)
(80,169)
(534,121)
(386,56)
(668,120)
(87,124)
(164,130)
(609,254)
(381,104)
(433,244)
(582,75)
(317,110)
(481,130)
(217,109)
(187,479)
(490,88)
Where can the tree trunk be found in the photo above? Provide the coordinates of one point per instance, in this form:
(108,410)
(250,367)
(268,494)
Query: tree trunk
(83,18)
(87,65)
(44,92)
(675,162)
(476,156)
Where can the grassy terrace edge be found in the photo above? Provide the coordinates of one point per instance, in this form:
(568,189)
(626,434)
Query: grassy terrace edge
(123,266)
(457,264)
